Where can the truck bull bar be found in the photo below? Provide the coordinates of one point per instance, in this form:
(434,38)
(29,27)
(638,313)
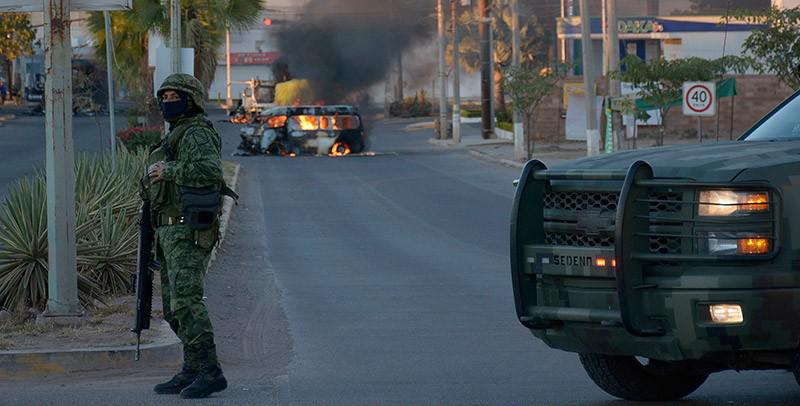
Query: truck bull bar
(630,249)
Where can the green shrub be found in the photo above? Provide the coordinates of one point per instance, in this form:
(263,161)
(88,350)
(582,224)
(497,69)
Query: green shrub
(503,116)
(470,113)
(503,125)
(417,106)
(106,207)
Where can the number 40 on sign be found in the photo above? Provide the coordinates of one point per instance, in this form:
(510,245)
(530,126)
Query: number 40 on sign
(699,98)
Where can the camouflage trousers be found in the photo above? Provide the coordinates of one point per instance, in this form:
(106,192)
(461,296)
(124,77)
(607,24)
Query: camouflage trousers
(183,267)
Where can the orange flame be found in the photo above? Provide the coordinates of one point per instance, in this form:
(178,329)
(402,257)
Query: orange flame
(340,149)
(276,121)
(308,123)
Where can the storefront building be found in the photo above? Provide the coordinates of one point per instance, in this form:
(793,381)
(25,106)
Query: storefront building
(655,37)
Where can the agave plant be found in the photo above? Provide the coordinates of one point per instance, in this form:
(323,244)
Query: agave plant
(111,267)
(106,206)
(24,249)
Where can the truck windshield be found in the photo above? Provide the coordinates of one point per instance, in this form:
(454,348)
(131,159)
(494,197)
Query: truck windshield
(781,124)
(265,95)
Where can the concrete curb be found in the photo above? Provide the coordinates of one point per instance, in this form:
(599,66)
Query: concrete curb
(448,143)
(227,207)
(488,157)
(24,364)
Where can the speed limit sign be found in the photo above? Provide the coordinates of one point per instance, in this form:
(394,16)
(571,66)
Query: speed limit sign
(699,98)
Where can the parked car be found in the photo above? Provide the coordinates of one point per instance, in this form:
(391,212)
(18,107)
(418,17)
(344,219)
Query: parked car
(661,266)
(322,130)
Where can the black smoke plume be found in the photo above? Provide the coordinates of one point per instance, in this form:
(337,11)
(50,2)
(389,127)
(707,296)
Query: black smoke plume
(345,46)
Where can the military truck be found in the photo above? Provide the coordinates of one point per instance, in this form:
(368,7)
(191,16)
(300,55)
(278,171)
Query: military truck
(258,96)
(661,266)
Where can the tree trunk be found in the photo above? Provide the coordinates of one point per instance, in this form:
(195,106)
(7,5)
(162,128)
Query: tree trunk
(526,130)
(9,79)
(499,93)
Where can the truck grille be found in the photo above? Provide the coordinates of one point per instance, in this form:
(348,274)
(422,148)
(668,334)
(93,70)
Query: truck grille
(577,240)
(565,206)
(580,201)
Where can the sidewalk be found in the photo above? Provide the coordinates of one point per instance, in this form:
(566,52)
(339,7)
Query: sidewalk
(160,346)
(502,151)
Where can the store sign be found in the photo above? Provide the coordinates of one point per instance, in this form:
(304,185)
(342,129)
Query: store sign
(252,58)
(639,26)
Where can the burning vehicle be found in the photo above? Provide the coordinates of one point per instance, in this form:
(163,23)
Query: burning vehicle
(335,130)
(662,266)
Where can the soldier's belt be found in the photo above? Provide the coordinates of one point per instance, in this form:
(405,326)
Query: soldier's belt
(165,220)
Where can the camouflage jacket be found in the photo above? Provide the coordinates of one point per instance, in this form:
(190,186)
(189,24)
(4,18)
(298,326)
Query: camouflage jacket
(192,152)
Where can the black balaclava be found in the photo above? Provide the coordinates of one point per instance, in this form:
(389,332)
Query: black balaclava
(172,111)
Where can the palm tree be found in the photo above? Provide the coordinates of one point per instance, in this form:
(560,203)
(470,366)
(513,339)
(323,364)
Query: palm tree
(203,24)
(531,36)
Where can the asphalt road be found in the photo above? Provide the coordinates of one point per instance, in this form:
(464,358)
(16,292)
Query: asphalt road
(376,280)
(22,143)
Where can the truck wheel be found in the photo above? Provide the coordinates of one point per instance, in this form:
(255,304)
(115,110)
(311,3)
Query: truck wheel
(627,378)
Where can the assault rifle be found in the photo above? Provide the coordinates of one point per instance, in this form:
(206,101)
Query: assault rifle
(144,276)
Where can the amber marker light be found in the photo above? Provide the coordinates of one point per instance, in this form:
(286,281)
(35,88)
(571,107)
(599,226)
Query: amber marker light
(726,314)
(752,246)
(754,202)
(601,262)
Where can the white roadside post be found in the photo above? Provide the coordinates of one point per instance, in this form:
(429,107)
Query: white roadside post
(63,305)
(62,284)
(110,75)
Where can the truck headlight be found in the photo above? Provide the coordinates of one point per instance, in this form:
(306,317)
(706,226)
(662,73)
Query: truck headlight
(729,202)
(726,313)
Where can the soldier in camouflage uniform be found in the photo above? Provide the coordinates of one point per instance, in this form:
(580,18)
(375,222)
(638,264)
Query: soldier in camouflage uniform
(189,157)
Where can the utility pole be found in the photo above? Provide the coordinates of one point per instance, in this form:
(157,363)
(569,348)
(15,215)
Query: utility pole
(520,152)
(228,97)
(604,29)
(563,42)
(400,95)
(592,133)
(486,72)
(442,81)
(62,280)
(456,75)
(110,76)
(614,89)
(175,35)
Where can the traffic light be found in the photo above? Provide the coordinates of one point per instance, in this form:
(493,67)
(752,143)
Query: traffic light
(267,21)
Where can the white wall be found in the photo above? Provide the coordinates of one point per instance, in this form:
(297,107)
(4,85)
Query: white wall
(258,39)
(706,45)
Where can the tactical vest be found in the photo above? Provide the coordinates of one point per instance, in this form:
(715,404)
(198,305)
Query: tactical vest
(165,197)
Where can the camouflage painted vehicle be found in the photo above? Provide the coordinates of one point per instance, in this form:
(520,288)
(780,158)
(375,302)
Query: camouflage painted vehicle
(661,266)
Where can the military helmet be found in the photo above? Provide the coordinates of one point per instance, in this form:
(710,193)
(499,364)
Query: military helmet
(185,83)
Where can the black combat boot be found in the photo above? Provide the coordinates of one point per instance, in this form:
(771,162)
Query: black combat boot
(175,385)
(210,380)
